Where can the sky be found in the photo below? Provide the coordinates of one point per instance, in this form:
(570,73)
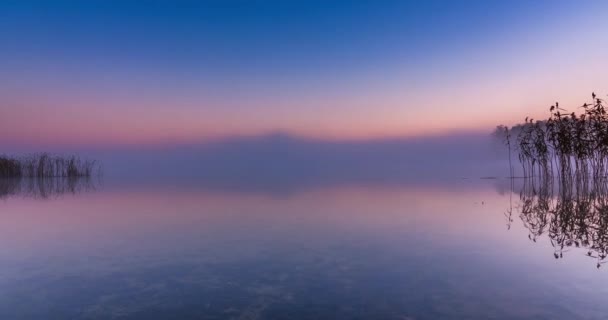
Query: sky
(122,73)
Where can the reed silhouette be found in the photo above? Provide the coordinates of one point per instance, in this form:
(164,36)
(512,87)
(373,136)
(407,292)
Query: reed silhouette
(9,167)
(45,165)
(568,146)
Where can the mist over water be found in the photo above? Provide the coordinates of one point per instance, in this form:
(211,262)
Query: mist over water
(284,162)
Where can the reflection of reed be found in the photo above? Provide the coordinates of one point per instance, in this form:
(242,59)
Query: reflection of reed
(573,215)
(46,187)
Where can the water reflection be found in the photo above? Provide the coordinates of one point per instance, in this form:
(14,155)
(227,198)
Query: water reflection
(44,188)
(571,215)
(188,252)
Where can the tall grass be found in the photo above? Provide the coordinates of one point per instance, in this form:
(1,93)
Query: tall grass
(45,165)
(9,167)
(568,146)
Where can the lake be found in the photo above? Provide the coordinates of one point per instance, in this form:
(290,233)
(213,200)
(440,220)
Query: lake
(443,249)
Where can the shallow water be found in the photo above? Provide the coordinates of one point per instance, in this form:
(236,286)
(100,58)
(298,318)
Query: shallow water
(436,250)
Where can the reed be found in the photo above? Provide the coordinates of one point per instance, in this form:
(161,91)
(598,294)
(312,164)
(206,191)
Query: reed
(9,167)
(45,165)
(570,147)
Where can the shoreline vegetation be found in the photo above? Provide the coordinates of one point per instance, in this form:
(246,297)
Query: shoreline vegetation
(45,165)
(568,146)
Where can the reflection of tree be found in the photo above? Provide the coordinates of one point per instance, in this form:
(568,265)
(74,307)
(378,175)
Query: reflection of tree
(45,187)
(571,215)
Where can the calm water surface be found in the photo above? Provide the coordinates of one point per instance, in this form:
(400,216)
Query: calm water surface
(159,251)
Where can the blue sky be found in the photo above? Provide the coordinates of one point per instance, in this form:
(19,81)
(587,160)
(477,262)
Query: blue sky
(158,71)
